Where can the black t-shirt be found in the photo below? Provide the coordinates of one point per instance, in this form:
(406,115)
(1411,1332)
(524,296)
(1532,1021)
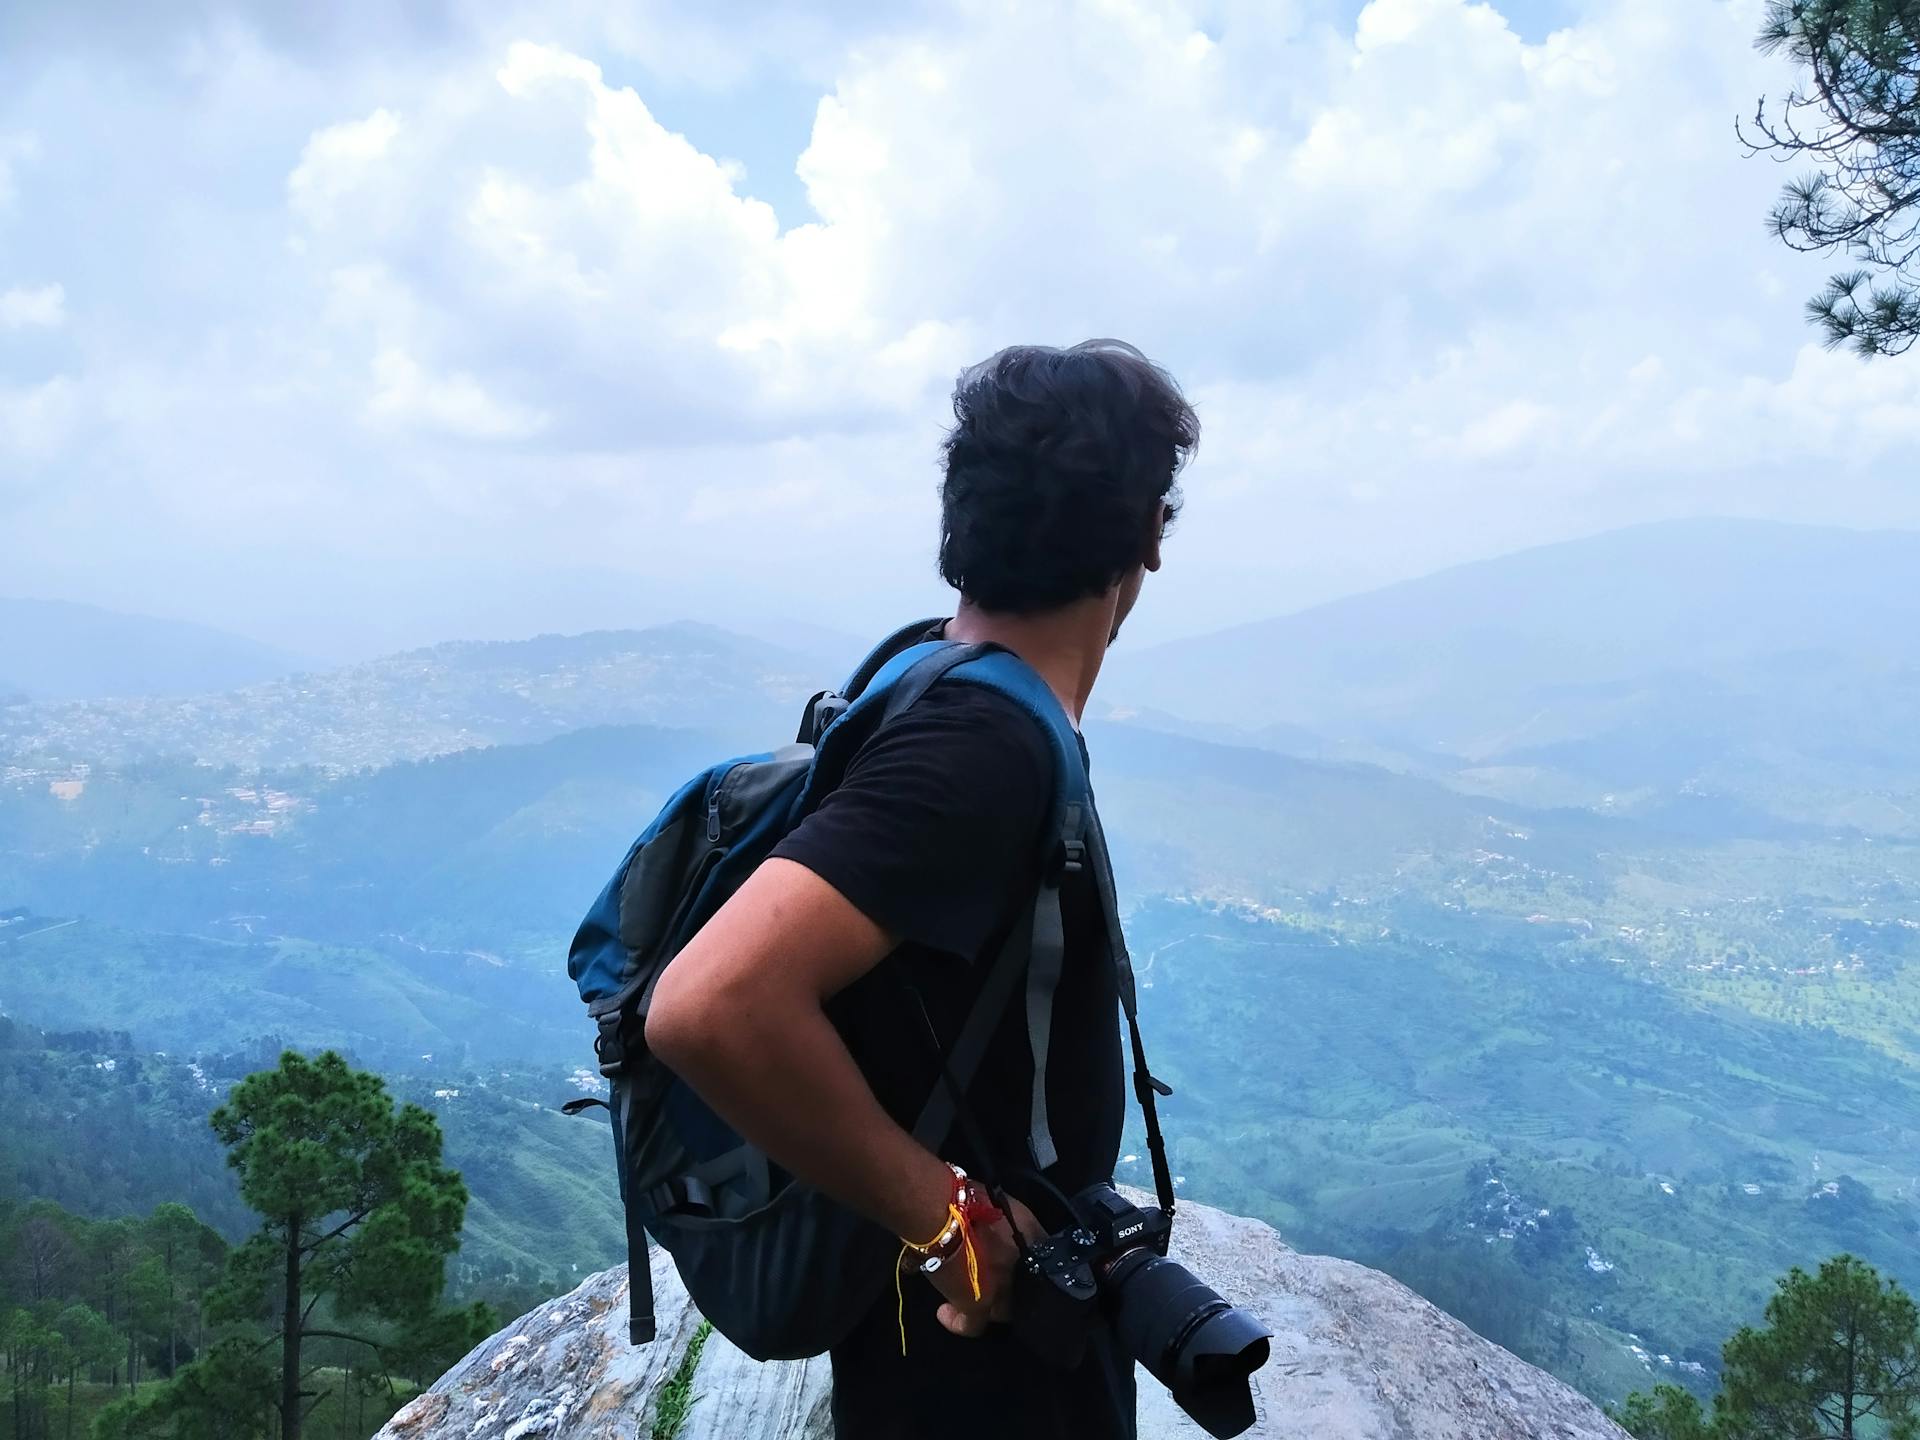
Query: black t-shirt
(935,834)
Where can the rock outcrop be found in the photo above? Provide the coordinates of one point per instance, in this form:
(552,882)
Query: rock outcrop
(1356,1356)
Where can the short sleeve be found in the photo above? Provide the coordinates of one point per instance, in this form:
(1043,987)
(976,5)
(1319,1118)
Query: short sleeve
(934,831)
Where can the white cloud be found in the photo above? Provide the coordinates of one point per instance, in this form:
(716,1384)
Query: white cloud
(335,161)
(37,307)
(36,422)
(1440,284)
(455,403)
(15,146)
(532,208)
(1502,431)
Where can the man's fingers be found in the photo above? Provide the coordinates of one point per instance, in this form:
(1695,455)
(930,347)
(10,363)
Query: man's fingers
(966,1324)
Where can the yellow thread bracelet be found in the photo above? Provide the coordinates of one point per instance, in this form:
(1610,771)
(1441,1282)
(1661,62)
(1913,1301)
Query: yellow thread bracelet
(956,1217)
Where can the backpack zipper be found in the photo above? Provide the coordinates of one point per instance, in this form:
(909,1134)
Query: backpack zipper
(713,805)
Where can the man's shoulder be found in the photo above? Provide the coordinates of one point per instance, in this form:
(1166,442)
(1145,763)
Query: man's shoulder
(956,711)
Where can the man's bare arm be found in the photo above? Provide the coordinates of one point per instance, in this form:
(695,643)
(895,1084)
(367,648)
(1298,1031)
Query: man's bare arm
(738,1015)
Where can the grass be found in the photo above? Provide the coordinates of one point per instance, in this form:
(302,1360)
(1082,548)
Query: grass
(676,1397)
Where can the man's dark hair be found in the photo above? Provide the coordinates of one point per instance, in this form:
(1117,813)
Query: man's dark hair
(1056,464)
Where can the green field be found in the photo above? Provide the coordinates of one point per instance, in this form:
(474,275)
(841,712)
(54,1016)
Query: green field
(1575,1156)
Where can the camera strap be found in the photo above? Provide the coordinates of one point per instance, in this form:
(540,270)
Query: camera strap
(1146,1087)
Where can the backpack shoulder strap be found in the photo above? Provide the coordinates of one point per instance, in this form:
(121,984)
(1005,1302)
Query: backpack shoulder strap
(1080,842)
(889,689)
(1037,949)
(1069,810)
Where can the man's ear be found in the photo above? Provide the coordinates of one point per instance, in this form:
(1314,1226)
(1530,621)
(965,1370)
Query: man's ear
(1156,532)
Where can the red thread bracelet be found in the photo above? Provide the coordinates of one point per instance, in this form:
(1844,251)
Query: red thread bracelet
(967,1206)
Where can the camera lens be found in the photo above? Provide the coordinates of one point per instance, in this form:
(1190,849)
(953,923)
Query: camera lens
(1191,1340)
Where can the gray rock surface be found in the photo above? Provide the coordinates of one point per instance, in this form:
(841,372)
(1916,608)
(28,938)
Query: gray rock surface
(1356,1356)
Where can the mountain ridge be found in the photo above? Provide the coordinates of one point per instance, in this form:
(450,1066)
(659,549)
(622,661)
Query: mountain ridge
(1685,536)
(60,650)
(1776,662)
(435,700)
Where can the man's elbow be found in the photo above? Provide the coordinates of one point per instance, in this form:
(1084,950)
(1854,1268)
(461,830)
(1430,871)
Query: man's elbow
(681,1024)
(704,1019)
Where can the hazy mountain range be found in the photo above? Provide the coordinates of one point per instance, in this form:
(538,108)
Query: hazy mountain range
(435,701)
(1770,665)
(1777,663)
(1546,931)
(1466,661)
(56,650)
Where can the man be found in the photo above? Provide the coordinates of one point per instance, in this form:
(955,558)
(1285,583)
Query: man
(811,1011)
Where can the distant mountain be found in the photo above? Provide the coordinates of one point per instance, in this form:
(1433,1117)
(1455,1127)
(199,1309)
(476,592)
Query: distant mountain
(1701,652)
(834,652)
(450,697)
(497,850)
(55,650)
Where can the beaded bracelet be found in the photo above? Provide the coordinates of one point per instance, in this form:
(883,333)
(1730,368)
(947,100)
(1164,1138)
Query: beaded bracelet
(968,1205)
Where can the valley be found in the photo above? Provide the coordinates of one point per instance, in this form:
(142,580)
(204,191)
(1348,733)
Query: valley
(1585,1031)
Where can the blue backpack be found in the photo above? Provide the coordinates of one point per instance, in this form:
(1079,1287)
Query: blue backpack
(780,1269)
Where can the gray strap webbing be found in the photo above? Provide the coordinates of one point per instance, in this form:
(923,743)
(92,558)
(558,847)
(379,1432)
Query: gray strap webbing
(1046,959)
(1043,977)
(742,1171)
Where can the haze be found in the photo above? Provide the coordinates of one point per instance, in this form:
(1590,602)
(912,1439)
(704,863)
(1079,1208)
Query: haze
(345,332)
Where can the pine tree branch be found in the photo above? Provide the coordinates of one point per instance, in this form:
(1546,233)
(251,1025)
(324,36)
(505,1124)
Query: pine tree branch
(336,1232)
(372,1345)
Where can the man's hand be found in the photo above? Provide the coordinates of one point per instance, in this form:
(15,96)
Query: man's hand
(994,1245)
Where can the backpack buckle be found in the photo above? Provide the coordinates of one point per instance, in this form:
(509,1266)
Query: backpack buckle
(608,1047)
(825,708)
(1073,856)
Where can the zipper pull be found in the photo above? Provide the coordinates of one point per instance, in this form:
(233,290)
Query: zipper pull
(713,817)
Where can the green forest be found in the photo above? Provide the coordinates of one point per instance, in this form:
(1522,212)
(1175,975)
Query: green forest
(1836,1357)
(325,1315)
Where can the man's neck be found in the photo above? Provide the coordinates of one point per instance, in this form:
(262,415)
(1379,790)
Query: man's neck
(1065,647)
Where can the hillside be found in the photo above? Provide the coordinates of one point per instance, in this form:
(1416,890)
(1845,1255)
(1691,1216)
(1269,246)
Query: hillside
(1403,1014)
(1589,1163)
(54,650)
(543,1210)
(391,1004)
(496,851)
(1773,662)
(450,697)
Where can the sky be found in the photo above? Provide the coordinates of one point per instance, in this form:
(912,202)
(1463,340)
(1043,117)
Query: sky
(358,326)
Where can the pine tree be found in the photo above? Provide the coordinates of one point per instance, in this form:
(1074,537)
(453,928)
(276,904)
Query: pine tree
(1838,1357)
(1668,1413)
(183,1252)
(1856,115)
(359,1215)
(90,1343)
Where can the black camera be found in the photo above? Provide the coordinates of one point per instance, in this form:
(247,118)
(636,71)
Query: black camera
(1111,1260)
